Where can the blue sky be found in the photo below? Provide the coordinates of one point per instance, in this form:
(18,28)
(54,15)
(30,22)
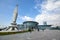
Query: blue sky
(35,10)
(25,8)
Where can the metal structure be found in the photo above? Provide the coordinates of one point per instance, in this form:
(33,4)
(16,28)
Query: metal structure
(14,24)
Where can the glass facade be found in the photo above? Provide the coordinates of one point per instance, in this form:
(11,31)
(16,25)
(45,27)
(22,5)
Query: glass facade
(30,24)
(33,25)
(42,27)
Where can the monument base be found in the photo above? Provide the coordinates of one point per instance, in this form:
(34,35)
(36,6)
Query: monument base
(12,27)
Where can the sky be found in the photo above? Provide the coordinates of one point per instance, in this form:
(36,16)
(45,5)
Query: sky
(30,10)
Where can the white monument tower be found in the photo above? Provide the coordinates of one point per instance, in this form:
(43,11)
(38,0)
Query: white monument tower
(14,24)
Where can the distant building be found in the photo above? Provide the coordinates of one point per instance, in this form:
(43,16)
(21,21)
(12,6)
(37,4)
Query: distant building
(3,28)
(44,26)
(21,27)
(55,28)
(44,23)
(30,24)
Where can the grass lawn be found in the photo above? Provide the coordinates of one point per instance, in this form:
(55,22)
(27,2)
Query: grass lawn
(9,33)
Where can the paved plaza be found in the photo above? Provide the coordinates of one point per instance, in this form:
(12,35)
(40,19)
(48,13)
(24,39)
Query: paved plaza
(35,35)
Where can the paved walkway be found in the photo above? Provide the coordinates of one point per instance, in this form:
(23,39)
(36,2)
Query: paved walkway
(35,35)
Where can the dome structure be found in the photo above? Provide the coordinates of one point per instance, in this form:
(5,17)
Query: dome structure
(30,24)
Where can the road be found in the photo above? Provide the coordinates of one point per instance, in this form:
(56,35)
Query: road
(35,35)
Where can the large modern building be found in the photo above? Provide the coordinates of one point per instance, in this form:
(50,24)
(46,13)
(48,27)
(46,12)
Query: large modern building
(33,25)
(30,24)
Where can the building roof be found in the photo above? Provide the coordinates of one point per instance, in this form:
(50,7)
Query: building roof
(30,22)
(44,25)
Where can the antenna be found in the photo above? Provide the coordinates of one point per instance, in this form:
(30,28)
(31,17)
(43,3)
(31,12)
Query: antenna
(16,2)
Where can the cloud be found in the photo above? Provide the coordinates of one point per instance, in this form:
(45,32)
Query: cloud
(50,4)
(50,18)
(50,12)
(26,18)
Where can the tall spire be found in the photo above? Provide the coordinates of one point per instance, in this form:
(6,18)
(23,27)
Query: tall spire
(15,14)
(14,24)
